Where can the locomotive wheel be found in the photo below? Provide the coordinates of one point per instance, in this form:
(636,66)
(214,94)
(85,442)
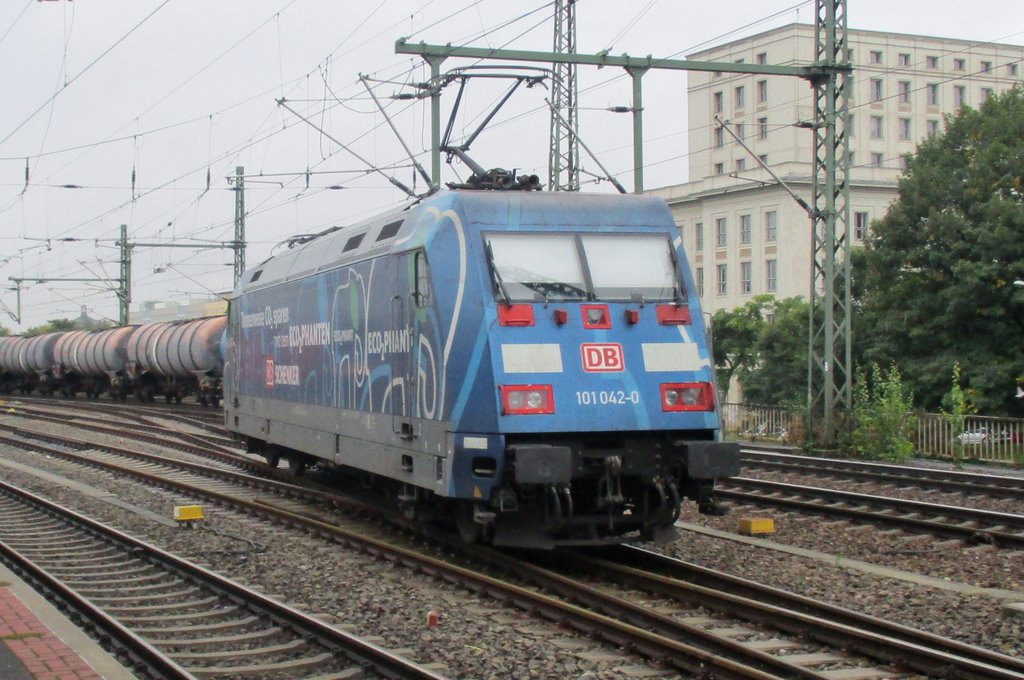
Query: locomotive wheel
(469,531)
(273,457)
(297,465)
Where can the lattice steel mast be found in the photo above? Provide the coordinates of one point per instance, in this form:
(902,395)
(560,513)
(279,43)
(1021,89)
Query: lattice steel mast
(564,152)
(829,380)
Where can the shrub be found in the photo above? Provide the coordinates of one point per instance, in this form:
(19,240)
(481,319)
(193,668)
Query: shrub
(883,427)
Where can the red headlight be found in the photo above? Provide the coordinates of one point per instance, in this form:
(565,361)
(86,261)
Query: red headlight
(687,397)
(526,400)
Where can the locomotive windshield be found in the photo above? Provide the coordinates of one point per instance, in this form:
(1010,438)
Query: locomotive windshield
(534,267)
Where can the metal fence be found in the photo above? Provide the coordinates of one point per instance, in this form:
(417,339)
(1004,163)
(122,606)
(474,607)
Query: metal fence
(756,423)
(985,438)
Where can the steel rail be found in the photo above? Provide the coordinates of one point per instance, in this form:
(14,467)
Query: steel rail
(356,649)
(769,493)
(925,651)
(946,480)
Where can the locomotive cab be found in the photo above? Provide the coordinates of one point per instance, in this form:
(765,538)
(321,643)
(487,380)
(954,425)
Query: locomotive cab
(606,397)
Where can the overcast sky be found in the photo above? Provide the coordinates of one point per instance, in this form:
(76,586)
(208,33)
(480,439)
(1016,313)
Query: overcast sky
(98,92)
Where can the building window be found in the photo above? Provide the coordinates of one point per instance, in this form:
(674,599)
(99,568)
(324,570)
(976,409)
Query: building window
(986,92)
(721,232)
(904,127)
(716,74)
(762,91)
(717,99)
(762,128)
(744,228)
(959,95)
(931,62)
(771,225)
(700,281)
(763,158)
(860,225)
(876,160)
(762,58)
(698,236)
(959,64)
(986,67)
(904,59)
(723,279)
(740,97)
(876,89)
(875,56)
(771,271)
(876,127)
(741,164)
(850,127)
(719,168)
(740,132)
(745,273)
(933,128)
(905,163)
(1011,70)
(849,55)
(933,94)
(851,163)
(719,137)
(904,91)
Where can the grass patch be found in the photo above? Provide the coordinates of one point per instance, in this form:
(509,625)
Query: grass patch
(20,636)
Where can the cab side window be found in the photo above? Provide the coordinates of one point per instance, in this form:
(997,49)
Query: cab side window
(421,274)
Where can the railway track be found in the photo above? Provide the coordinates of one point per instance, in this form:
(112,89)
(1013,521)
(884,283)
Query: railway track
(951,481)
(209,419)
(171,618)
(732,649)
(1002,529)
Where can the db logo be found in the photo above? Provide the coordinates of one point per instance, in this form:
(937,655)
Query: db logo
(270,373)
(602,357)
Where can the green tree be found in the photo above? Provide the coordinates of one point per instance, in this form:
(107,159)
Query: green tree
(779,377)
(736,333)
(933,286)
(53,326)
(764,345)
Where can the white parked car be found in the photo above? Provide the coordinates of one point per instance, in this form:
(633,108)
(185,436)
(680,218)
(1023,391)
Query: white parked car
(975,436)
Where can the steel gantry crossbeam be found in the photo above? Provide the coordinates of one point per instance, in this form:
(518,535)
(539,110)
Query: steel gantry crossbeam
(636,67)
(829,331)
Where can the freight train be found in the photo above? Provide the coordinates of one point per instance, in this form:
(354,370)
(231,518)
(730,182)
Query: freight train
(169,359)
(532,367)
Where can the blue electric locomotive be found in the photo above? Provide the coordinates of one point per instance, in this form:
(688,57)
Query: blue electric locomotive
(533,365)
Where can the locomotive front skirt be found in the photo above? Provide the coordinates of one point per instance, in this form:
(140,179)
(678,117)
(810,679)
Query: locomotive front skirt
(533,366)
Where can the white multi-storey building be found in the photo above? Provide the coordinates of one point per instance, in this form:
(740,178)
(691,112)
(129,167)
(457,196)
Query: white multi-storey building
(744,234)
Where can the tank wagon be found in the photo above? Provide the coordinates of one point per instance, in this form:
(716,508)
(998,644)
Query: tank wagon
(93,362)
(13,377)
(532,366)
(36,357)
(172,359)
(176,358)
